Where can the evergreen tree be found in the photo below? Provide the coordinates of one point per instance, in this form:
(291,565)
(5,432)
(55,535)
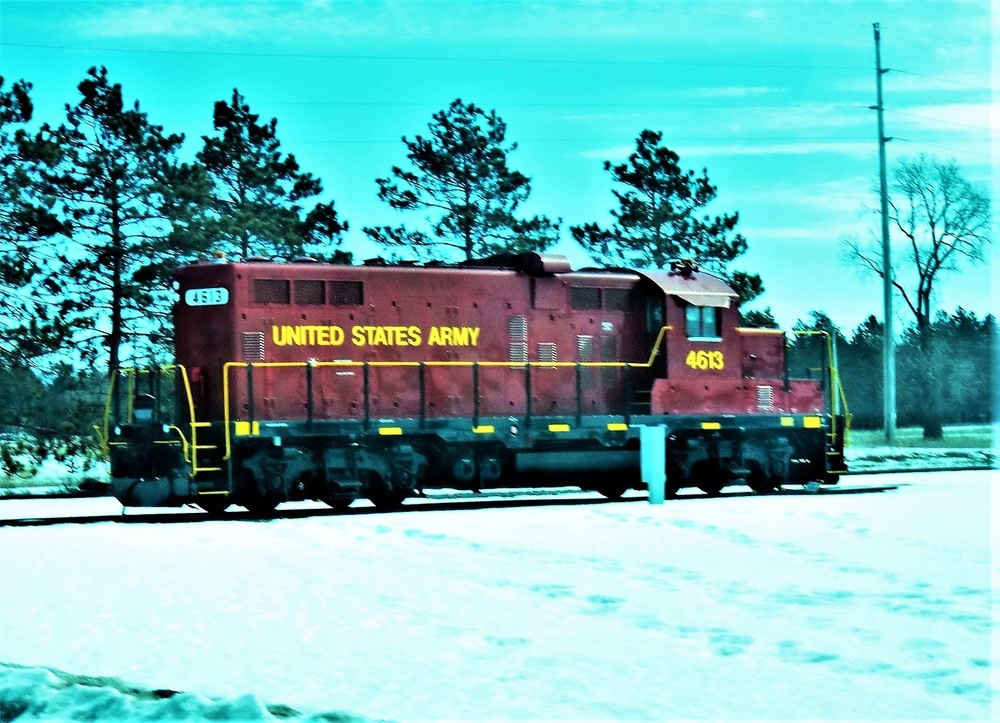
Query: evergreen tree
(460,177)
(258,200)
(759,319)
(28,326)
(111,175)
(660,218)
(861,373)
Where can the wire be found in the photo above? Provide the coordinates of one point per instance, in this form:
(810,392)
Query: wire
(944,148)
(939,120)
(436,59)
(944,80)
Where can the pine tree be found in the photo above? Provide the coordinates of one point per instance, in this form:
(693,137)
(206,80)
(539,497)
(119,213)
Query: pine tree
(27,328)
(111,175)
(461,179)
(660,218)
(258,199)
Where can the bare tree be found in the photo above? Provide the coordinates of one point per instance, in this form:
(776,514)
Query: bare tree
(945,221)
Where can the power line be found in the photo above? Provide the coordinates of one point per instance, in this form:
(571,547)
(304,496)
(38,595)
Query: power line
(944,148)
(944,80)
(568,105)
(429,58)
(940,120)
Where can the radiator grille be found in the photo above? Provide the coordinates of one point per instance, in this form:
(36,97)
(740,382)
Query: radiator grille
(765,398)
(518,329)
(253,346)
(547,352)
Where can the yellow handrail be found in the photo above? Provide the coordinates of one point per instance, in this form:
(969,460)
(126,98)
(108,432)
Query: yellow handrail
(189,449)
(836,387)
(412,364)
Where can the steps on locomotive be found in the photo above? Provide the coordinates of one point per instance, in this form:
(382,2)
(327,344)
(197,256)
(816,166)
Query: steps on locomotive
(208,449)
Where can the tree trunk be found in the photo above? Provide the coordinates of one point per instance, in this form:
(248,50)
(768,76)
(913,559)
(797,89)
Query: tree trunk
(931,413)
(115,339)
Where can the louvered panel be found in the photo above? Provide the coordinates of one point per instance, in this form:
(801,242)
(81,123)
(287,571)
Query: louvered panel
(253,346)
(765,398)
(584,348)
(518,352)
(518,329)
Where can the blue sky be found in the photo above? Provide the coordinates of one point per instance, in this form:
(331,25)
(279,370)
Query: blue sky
(771,96)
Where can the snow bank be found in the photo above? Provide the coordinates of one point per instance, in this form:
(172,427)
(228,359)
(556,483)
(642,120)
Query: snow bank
(28,694)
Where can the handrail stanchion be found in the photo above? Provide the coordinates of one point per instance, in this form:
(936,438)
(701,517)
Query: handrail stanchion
(422,373)
(527,394)
(367,395)
(309,394)
(628,392)
(250,394)
(579,396)
(475,394)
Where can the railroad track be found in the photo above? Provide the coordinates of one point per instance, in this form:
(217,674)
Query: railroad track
(435,501)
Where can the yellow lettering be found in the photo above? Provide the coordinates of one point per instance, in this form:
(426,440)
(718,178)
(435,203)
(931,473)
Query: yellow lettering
(306,335)
(310,335)
(704,360)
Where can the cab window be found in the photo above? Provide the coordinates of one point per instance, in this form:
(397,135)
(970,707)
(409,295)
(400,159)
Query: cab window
(703,322)
(654,314)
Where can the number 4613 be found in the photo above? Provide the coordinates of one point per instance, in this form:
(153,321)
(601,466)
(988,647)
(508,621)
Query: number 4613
(705,360)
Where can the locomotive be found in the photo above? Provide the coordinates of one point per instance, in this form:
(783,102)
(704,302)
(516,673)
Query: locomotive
(304,380)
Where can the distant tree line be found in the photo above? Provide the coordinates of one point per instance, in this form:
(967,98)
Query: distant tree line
(959,362)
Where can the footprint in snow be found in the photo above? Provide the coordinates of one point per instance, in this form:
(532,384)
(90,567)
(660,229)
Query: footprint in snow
(602,604)
(792,652)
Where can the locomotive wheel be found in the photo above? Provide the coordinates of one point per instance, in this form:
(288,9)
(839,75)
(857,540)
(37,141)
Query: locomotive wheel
(613,491)
(384,496)
(257,500)
(340,505)
(759,481)
(262,506)
(214,504)
(387,499)
(708,478)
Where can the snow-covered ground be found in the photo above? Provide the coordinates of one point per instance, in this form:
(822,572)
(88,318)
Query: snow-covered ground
(868,606)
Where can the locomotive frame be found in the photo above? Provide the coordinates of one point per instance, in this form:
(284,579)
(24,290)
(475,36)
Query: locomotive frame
(393,416)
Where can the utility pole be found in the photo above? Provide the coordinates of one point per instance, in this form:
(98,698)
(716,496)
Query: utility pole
(888,348)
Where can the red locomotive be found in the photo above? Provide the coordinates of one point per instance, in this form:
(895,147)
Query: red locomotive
(305,380)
